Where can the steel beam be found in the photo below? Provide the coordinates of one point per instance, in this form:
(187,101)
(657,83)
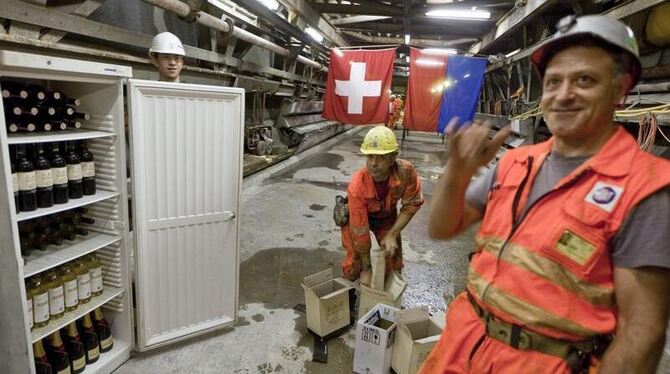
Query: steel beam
(314,19)
(84,10)
(632,7)
(356,19)
(510,22)
(371,9)
(414,41)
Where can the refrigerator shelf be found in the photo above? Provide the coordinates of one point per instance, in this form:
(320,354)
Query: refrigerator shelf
(108,293)
(40,261)
(75,203)
(56,136)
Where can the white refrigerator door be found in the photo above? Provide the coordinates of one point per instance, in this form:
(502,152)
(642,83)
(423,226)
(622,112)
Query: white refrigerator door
(187,148)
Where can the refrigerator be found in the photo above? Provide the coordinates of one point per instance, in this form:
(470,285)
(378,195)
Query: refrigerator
(185,151)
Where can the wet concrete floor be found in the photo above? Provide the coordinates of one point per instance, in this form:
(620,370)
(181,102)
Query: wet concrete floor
(287,233)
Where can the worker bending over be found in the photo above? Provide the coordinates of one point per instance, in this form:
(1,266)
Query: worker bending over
(571,267)
(373,195)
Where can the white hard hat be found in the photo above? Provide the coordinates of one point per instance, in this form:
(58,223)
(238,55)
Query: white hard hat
(167,42)
(609,31)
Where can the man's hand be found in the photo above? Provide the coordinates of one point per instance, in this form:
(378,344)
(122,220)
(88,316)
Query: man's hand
(470,147)
(389,244)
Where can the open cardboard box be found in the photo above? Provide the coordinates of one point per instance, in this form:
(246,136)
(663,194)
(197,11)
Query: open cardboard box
(326,302)
(394,286)
(375,335)
(417,333)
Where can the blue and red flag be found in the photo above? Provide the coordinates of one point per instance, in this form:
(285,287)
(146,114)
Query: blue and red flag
(441,86)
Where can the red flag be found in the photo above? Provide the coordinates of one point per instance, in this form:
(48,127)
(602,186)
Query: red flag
(427,72)
(357,90)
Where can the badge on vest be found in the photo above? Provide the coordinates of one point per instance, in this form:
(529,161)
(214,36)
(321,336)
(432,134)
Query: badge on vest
(575,247)
(604,195)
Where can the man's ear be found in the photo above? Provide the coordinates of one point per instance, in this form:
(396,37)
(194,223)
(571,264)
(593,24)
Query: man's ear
(623,84)
(154,60)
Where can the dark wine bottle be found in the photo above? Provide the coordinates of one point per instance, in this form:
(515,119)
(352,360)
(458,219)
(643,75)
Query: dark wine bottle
(73,101)
(36,93)
(81,115)
(42,364)
(60,360)
(26,242)
(26,175)
(75,348)
(14,89)
(74,124)
(87,169)
(104,331)
(91,342)
(12,125)
(43,178)
(74,181)
(15,178)
(59,173)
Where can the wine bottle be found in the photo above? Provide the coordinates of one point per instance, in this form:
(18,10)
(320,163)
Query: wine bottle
(36,93)
(59,173)
(74,181)
(68,231)
(69,278)
(42,364)
(73,101)
(43,178)
(26,242)
(44,126)
(55,97)
(75,348)
(14,106)
(56,294)
(26,175)
(60,360)
(104,331)
(12,125)
(74,124)
(83,281)
(26,124)
(87,169)
(40,294)
(29,300)
(15,180)
(91,342)
(95,268)
(80,115)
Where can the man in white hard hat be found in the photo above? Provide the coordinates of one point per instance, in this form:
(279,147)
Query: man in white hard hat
(571,270)
(167,55)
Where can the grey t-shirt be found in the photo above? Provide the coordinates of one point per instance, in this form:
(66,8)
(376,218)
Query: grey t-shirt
(642,240)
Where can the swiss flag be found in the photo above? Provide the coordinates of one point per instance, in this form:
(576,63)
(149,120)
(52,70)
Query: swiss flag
(357,90)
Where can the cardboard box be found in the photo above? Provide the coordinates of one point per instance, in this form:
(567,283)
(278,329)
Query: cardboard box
(417,333)
(394,286)
(375,335)
(327,302)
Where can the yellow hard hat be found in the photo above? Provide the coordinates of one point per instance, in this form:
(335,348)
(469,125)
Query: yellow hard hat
(380,140)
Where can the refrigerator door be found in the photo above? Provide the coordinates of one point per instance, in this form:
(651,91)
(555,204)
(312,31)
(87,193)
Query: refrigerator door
(187,144)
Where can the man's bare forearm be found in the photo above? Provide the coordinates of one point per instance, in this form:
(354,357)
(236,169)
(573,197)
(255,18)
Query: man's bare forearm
(448,204)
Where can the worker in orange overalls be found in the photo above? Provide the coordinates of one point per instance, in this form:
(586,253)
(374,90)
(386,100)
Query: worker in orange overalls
(571,270)
(397,108)
(373,195)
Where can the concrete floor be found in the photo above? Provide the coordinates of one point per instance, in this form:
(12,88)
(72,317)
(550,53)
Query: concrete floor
(287,233)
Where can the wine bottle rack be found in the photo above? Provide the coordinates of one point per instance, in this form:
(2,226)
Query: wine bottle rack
(108,294)
(40,261)
(73,203)
(61,136)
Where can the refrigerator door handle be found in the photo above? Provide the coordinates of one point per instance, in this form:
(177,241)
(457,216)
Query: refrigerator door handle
(230,216)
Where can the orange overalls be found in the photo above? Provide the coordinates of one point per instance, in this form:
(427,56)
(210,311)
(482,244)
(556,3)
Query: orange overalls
(368,212)
(550,271)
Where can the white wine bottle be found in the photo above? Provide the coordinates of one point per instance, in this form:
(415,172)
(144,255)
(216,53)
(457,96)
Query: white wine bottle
(29,300)
(56,294)
(83,281)
(40,294)
(70,285)
(95,268)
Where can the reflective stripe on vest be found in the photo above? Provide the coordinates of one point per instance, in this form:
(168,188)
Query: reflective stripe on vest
(550,271)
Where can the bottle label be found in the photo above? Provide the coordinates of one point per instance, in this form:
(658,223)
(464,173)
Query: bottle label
(96,280)
(64,371)
(106,343)
(84,285)
(73,172)
(88,169)
(59,175)
(15,182)
(56,300)
(27,181)
(30,313)
(79,363)
(71,296)
(93,353)
(41,307)
(44,178)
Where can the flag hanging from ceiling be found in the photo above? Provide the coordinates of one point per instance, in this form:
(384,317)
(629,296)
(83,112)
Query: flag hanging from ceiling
(358,85)
(441,86)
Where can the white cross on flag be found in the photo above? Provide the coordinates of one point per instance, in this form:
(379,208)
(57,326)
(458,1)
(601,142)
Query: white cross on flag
(357,90)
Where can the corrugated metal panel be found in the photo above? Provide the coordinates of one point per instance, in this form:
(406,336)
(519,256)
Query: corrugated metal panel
(187,160)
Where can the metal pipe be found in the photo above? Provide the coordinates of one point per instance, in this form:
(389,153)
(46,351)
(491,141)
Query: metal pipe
(210,21)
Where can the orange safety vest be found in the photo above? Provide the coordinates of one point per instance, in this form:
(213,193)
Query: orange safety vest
(550,271)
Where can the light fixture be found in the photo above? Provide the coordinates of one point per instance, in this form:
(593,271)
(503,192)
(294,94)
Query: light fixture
(513,53)
(338,52)
(407,38)
(440,51)
(407,59)
(270,4)
(429,62)
(314,34)
(459,14)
